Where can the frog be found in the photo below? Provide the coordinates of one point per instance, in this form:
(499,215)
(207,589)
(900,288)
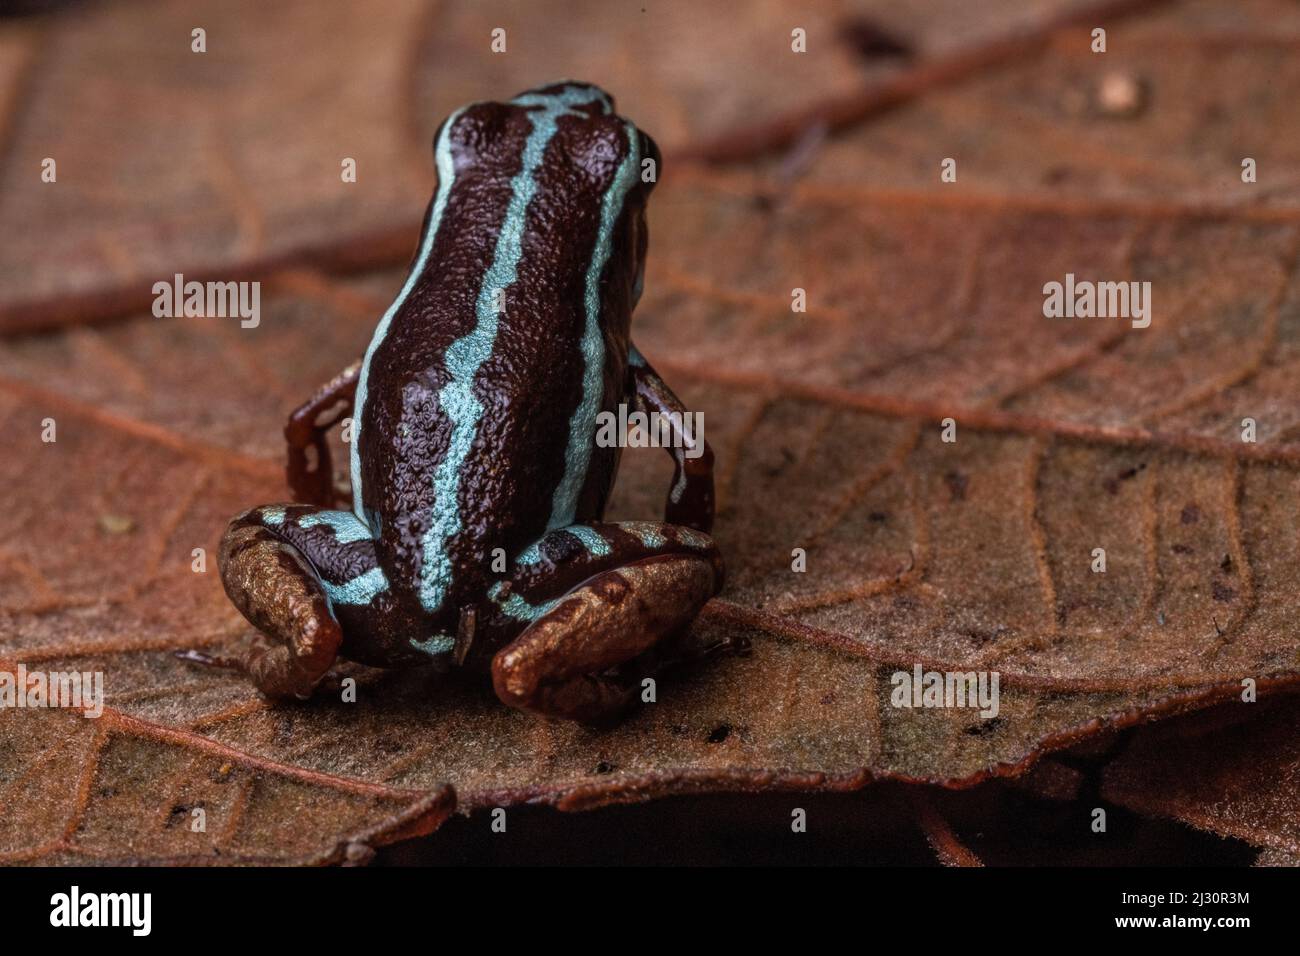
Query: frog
(476,535)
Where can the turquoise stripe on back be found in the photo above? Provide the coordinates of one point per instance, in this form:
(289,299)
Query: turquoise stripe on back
(582,424)
(446,177)
(466,355)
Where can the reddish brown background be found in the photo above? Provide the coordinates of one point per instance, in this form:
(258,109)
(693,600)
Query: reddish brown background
(818,171)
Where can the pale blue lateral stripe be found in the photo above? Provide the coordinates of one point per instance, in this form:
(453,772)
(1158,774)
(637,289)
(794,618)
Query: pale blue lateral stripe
(517,606)
(531,554)
(466,355)
(577,456)
(438,644)
(596,545)
(591,539)
(360,590)
(446,176)
(348,528)
(650,534)
(694,539)
(272,515)
(679,487)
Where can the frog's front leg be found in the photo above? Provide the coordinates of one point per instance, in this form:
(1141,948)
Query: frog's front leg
(313,482)
(690,496)
(293,571)
(596,597)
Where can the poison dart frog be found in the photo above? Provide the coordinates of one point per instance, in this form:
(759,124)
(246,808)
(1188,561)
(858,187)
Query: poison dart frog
(476,532)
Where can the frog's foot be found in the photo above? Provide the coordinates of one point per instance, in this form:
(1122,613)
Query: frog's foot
(560,665)
(280,594)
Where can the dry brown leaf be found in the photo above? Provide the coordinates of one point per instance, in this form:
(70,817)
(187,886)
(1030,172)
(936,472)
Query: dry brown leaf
(1214,85)
(1237,775)
(229,161)
(957,556)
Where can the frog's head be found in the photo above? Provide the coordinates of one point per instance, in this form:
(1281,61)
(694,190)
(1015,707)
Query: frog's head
(581,172)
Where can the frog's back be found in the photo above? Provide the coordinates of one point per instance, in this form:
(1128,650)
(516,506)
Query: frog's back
(479,392)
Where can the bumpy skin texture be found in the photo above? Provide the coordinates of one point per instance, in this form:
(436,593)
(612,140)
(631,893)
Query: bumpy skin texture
(474,413)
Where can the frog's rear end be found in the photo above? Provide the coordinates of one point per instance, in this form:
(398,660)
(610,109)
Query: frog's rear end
(478,397)
(478,486)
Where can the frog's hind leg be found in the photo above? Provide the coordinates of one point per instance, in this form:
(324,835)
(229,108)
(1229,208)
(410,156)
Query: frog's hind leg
(266,571)
(640,584)
(557,666)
